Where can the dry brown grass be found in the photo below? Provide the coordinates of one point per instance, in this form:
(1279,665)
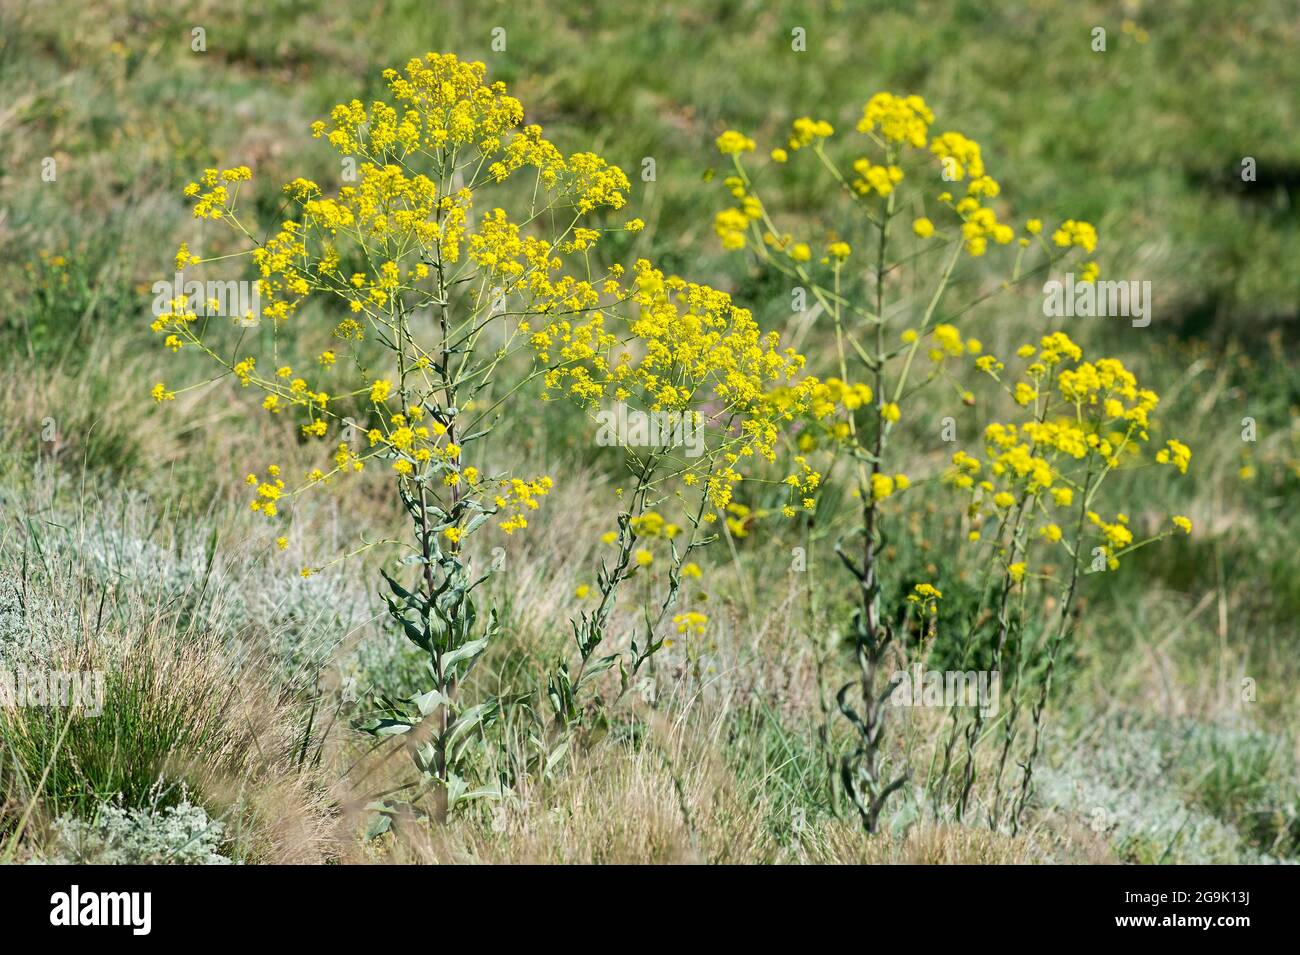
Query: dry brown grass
(179,711)
(668,799)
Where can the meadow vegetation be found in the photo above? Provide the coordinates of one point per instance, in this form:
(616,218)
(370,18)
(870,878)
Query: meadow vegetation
(667,659)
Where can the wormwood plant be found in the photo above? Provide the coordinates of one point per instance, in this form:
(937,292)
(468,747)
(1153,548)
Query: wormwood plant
(1034,490)
(405,312)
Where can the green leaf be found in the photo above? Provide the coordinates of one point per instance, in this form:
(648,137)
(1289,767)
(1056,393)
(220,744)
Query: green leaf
(426,703)
(379,824)
(397,588)
(475,522)
(555,757)
(468,651)
(385,726)
(598,667)
(483,792)
(470,719)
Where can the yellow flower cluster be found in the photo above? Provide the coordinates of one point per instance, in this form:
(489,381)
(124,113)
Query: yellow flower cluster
(731,142)
(803,485)
(653,524)
(442,106)
(268,491)
(1082,234)
(516,497)
(959,156)
(927,596)
(948,343)
(832,405)
(422,159)
(212,203)
(883,486)
(981,224)
(878,179)
(899,119)
(805,131)
(833,395)
(895,123)
(690,623)
(1175,453)
(408,442)
(687,350)
(1087,417)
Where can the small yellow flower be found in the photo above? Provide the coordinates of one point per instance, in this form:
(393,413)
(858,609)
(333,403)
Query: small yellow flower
(882,485)
(644,558)
(732,143)
(1182,523)
(690,623)
(1180,455)
(927,595)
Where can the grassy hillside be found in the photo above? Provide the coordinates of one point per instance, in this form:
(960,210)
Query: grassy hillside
(126,543)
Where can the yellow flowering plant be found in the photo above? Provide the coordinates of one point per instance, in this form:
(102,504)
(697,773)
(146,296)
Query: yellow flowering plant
(431,295)
(1038,491)
(694,358)
(915,203)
